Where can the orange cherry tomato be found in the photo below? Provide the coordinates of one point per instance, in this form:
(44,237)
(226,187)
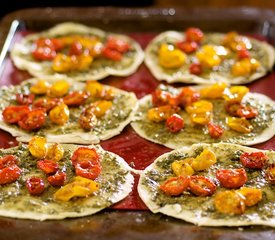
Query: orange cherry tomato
(194,34)
(8,160)
(35,185)
(270,173)
(229,202)
(87,120)
(99,108)
(87,169)
(160,98)
(232,178)
(75,99)
(47,103)
(175,123)
(241,125)
(48,166)
(201,186)
(215,131)
(117,44)
(34,119)
(58,179)
(38,146)
(187,47)
(187,96)
(12,114)
(9,174)
(254,160)
(85,154)
(159,114)
(196,69)
(24,99)
(251,195)
(55,152)
(175,186)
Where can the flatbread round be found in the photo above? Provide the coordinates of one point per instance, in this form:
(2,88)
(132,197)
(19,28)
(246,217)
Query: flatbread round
(263,124)
(115,183)
(261,51)
(201,210)
(99,68)
(109,125)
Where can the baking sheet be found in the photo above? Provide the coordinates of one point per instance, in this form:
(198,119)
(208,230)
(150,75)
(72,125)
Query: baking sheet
(142,25)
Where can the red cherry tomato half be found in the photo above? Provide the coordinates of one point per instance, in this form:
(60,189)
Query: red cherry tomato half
(160,98)
(243,53)
(175,186)
(75,99)
(76,48)
(58,179)
(47,103)
(187,96)
(175,123)
(24,99)
(195,68)
(119,45)
(187,47)
(247,112)
(35,185)
(215,131)
(254,160)
(85,154)
(8,160)
(232,178)
(12,114)
(44,53)
(111,54)
(87,170)
(48,166)
(194,34)
(34,119)
(201,186)
(9,174)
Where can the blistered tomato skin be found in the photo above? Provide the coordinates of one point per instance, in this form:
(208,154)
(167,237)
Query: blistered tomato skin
(58,179)
(34,119)
(254,160)
(35,185)
(175,186)
(13,114)
(48,166)
(8,160)
(85,154)
(232,178)
(9,174)
(215,131)
(87,169)
(201,186)
(174,123)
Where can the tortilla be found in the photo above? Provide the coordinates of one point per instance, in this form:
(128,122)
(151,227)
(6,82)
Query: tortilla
(201,210)
(109,125)
(261,51)
(115,183)
(263,124)
(98,69)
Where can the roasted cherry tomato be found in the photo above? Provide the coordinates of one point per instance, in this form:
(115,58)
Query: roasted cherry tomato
(270,173)
(85,154)
(87,169)
(38,147)
(99,108)
(235,94)
(247,112)
(195,68)
(215,131)
(208,56)
(75,99)
(202,186)
(229,202)
(35,185)
(59,89)
(182,168)
(111,54)
(55,152)
(34,119)
(170,57)
(160,98)
(117,44)
(203,161)
(45,53)
(12,114)
(48,166)
(254,160)
(58,179)
(159,114)
(243,53)
(251,195)
(239,124)
(8,160)
(232,178)
(60,114)
(187,47)
(87,120)
(47,103)
(24,99)
(9,174)
(187,96)
(175,123)
(194,34)
(40,87)
(214,91)
(175,186)
(76,48)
